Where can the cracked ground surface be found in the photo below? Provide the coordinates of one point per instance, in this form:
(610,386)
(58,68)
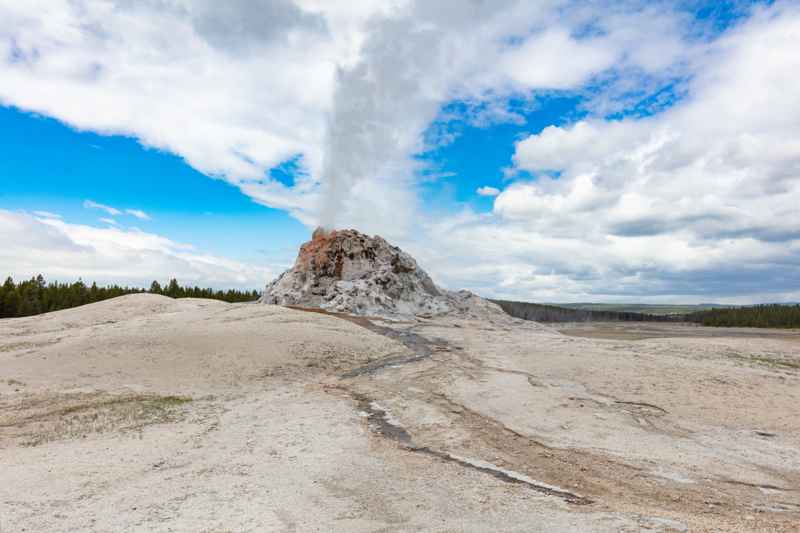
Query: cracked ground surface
(149,414)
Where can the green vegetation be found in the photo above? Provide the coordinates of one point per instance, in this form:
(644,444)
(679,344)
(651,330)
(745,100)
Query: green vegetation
(151,401)
(38,420)
(776,363)
(552,313)
(35,296)
(174,290)
(754,316)
(647,309)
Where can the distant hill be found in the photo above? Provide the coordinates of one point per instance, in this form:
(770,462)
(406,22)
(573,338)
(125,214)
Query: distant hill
(647,309)
(785,315)
(553,313)
(753,316)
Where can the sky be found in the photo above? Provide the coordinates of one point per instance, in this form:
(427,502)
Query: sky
(557,150)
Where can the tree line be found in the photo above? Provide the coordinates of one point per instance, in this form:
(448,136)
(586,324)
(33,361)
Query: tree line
(554,313)
(753,316)
(35,296)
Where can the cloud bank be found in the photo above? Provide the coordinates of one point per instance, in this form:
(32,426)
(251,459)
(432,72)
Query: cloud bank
(64,251)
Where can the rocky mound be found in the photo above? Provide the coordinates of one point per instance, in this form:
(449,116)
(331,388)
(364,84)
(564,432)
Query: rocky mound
(347,271)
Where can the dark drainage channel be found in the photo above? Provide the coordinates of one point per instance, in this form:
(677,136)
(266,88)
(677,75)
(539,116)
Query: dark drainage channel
(378,418)
(421,347)
(379,423)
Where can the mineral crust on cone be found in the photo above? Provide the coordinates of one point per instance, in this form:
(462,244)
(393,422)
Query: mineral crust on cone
(347,271)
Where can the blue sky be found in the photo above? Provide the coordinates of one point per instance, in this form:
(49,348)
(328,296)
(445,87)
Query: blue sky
(48,166)
(587,151)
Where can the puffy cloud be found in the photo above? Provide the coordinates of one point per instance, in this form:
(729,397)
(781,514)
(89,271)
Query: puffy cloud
(699,202)
(30,245)
(723,164)
(244,26)
(555,60)
(233,87)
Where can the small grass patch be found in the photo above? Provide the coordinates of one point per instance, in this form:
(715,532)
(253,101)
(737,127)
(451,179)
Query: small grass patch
(776,363)
(771,362)
(156,402)
(37,420)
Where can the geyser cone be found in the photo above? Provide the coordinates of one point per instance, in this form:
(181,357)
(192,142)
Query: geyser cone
(348,271)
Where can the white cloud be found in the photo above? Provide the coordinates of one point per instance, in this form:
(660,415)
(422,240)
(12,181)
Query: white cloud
(238,87)
(216,83)
(555,60)
(89,204)
(723,164)
(46,214)
(65,251)
(141,215)
(113,211)
(697,203)
(488,191)
(110,221)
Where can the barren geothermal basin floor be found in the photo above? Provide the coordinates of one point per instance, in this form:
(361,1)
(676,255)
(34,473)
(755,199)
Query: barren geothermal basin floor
(149,414)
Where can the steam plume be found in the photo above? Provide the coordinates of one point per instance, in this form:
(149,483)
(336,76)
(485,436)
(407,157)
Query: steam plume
(412,61)
(381,106)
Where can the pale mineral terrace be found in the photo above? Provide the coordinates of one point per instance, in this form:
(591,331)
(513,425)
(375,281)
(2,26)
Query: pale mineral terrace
(149,414)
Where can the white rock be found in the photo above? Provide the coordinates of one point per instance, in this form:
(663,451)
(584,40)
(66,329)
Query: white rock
(347,271)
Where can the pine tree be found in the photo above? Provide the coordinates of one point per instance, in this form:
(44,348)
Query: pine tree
(11,304)
(173,289)
(8,305)
(155,288)
(94,293)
